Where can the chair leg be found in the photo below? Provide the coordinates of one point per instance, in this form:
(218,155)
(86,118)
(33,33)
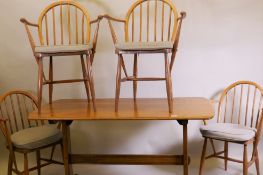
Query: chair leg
(91,82)
(203,157)
(118,83)
(38,162)
(10,164)
(135,73)
(168,83)
(257,162)
(84,72)
(245,161)
(50,86)
(26,171)
(226,154)
(40,82)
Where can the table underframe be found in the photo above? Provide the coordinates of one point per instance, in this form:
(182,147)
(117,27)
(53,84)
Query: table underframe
(123,159)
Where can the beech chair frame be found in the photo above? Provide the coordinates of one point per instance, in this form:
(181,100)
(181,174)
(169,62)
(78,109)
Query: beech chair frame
(255,122)
(172,35)
(81,38)
(9,123)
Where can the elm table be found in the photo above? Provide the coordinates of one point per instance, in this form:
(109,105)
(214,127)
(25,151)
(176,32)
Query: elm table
(185,109)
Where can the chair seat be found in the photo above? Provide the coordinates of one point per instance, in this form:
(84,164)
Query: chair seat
(228,132)
(36,137)
(63,48)
(144,46)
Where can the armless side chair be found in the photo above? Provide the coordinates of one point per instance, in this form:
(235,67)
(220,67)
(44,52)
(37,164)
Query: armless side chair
(151,27)
(239,121)
(64,29)
(25,136)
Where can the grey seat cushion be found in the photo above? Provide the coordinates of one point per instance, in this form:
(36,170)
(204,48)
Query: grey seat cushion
(228,132)
(36,137)
(144,45)
(63,48)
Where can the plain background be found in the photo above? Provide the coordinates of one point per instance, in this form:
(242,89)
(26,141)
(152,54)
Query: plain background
(221,42)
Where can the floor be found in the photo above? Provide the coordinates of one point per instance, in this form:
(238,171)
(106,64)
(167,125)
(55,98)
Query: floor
(212,167)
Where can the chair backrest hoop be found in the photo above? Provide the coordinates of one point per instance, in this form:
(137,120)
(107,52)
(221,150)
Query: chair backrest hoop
(61,3)
(247,97)
(140,2)
(15,105)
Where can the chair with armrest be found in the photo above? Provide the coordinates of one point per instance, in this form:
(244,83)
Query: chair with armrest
(64,29)
(25,136)
(239,121)
(159,28)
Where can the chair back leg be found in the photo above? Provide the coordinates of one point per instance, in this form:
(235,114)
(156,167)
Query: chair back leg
(50,86)
(135,73)
(203,157)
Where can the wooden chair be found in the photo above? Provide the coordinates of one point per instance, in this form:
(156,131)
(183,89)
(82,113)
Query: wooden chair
(24,136)
(239,121)
(64,29)
(158,32)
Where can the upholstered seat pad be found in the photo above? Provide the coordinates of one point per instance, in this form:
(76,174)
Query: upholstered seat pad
(144,45)
(63,48)
(36,137)
(228,132)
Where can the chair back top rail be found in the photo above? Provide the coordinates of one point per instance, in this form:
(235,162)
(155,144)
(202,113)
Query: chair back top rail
(241,103)
(64,23)
(156,20)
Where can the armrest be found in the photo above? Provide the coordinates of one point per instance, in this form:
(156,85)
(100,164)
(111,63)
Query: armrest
(113,34)
(96,21)
(23,20)
(30,37)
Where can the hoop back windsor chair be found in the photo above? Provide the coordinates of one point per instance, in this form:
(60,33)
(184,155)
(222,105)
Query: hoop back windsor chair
(64,29)
(239,121)
(25,136)
(155,35)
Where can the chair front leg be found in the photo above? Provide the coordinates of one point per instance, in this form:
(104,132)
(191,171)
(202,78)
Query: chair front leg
(118,83)
(168,83)
(203,157)
(91,82)
(26,171)
(245,161)
(38,162)
(10,164)
(84,73)
(40,82)
(226,154)
(135,73)
(257,162)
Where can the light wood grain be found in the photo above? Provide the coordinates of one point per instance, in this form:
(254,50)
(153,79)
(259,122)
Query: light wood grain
(187,108)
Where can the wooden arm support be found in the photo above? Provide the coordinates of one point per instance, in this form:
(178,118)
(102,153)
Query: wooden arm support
(30,37)
(176,39)
(113,34)
(23,20)
(96,21)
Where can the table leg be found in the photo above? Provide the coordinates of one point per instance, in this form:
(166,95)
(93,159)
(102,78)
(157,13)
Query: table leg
(185,145)
(66,148)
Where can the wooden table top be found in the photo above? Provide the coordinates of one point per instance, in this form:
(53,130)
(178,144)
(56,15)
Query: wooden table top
(185,108)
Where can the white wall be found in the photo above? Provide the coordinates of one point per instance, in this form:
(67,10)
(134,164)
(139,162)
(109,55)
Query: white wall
(221,42)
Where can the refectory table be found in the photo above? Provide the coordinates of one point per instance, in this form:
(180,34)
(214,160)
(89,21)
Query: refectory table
(185,109)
